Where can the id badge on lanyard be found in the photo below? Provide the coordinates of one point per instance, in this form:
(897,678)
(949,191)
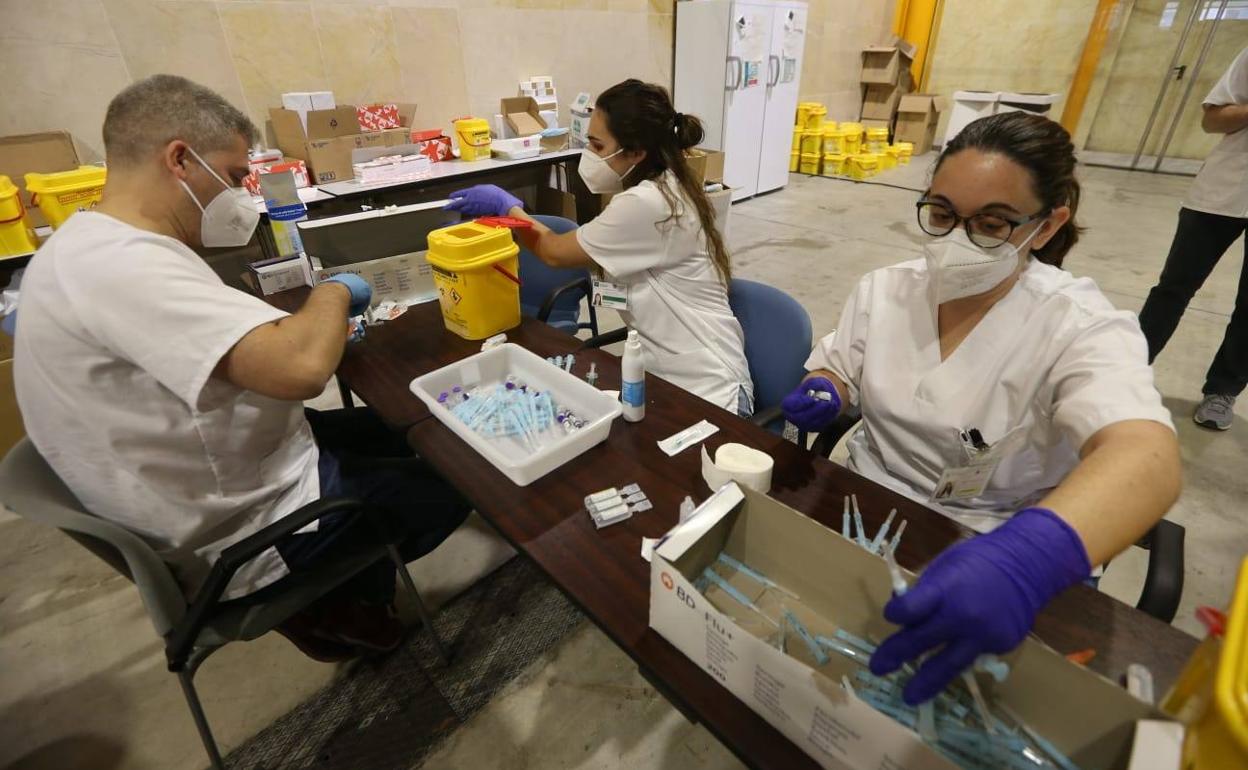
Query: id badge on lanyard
(609,295)
(969,480)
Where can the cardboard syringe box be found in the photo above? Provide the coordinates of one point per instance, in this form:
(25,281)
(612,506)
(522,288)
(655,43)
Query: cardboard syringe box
(841,585)
(917,117)
(330,136)
(522,115)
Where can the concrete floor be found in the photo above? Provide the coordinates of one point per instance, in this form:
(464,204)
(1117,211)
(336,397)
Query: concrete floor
(84,684)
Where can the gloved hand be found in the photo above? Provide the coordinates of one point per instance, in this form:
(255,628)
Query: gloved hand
(980,596)
(361,291)
(810,413)
(484,200)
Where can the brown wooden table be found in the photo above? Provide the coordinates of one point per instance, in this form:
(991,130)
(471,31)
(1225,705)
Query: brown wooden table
(602,570)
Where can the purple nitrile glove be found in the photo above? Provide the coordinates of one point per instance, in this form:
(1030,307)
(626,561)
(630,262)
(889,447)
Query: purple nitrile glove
(809,412)
(361,291)
(980,596)
(484,200)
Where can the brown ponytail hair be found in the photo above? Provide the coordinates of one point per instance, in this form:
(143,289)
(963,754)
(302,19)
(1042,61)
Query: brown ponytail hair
(1045,150)
(641,117)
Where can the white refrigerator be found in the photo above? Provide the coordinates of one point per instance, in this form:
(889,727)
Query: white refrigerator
(738,66)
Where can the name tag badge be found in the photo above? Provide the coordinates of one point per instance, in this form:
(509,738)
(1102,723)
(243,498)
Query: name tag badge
(970,480)
(609,295)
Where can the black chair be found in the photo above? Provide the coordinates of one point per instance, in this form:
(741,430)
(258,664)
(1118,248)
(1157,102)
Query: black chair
(1163,583)
(194,630)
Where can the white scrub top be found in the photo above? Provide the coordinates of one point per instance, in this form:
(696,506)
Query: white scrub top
(1221,187)
(1050,364)
(119,330)
(676,301)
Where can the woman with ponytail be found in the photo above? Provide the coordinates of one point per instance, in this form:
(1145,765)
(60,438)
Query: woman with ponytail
(656,240)
(1002,391)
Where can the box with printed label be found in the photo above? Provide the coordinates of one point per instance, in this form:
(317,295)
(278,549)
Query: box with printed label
(843,588)
(276,275)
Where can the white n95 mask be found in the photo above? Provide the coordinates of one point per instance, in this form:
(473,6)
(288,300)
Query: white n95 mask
(959,268)
(230,218)
(598,175)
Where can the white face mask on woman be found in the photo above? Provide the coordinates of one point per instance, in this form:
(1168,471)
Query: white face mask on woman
(959,268)
(598,175)
(230,218)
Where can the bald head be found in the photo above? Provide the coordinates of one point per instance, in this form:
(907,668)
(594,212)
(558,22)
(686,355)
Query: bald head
(152,112)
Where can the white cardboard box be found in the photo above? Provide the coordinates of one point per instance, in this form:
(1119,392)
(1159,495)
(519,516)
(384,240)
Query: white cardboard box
(840,584)
(279,275)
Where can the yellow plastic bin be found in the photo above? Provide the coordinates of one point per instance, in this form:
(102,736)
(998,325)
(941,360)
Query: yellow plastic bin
(834,142)
(853,138)
(812,142)
(797,137)
(475,268)
(877,140)
(888,158)
(803,113)
(833,164)
(62,193)
(1211,695)
(810,163)
(17,234)
(814,120)
(862,166)
(474,138)
(795,158)
(904,151)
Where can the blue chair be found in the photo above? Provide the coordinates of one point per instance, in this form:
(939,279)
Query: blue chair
(777,343)
(553,294)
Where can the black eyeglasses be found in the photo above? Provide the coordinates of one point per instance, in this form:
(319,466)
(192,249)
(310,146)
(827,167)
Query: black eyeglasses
(985,230)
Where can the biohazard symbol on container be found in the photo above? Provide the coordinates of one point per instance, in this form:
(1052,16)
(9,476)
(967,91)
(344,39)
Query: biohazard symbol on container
(667,580)
(455,297)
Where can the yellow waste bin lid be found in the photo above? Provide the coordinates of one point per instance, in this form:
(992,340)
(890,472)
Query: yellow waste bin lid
(81,178)
(469,246)
(7,188)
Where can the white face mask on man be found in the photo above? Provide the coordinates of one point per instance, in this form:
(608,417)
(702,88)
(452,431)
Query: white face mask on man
(230,217)
(959,268)
(598,175)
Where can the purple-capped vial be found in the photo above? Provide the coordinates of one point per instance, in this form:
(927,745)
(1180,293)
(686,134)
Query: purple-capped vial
(443,396)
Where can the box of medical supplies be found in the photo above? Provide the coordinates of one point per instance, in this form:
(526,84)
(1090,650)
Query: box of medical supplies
(541,88)
(433,144)
(293,165)
(522,115)
(274,275)
(303,102)
(392,167)
(580,109)
(377,117)
(784,614)
(324,139)
(526,444)
(61,194)
(45,152)
(917,116)
(515,149)
(707,165)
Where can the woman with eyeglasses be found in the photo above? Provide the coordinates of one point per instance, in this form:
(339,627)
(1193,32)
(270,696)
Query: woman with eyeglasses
(1003,386)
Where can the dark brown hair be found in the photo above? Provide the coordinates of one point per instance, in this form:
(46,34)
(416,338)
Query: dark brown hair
(641,117)
(1045,150)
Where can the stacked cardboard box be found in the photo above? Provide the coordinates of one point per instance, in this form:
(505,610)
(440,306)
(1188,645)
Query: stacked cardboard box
(324,139)
(885,79)
(917,116)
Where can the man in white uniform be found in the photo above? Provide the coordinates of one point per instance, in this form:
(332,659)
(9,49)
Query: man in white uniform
(170,403)
(1214,215)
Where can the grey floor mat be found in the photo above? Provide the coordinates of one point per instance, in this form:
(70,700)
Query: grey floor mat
(388,714)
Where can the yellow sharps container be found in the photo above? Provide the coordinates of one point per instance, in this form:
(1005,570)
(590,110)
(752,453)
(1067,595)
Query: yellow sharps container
(475,267)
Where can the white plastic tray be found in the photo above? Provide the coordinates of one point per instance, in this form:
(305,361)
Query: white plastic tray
(516,460)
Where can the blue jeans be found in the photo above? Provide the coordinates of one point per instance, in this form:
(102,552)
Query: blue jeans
(362,458)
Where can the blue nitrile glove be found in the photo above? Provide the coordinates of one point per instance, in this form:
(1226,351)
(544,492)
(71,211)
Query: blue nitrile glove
(361,291)
(810,413)
(484,200)
(980,596)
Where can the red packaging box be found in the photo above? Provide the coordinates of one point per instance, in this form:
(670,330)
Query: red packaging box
(378,117)
(433,144)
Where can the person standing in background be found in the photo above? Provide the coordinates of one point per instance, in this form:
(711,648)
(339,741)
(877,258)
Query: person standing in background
(1214,215)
